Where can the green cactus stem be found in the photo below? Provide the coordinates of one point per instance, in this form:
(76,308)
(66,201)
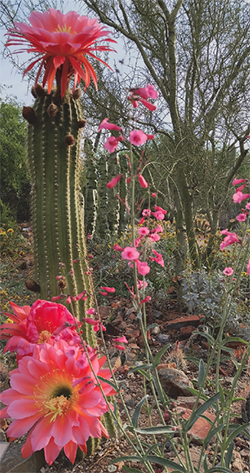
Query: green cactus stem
(113,201)
(90,191)
(54,134)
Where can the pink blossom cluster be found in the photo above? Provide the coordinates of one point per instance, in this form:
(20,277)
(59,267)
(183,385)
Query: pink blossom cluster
(54,395)
(232,237)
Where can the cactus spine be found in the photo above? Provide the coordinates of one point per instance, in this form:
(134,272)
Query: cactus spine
(90,191)
(57,206)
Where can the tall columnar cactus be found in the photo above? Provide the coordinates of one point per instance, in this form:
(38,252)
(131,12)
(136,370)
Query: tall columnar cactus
(113,212)
(123,216)
(102,226)
(54,135)
(90,190)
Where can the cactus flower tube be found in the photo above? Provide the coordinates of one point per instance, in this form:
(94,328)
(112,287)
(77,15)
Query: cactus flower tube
(60,44)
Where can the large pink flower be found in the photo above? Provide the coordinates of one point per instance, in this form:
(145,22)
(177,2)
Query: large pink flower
(61,42)
(130,253)
(138,137)
(54,397)
(37,324)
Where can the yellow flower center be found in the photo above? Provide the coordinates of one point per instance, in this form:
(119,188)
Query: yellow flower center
(44,336)
(57,406)
(63,29)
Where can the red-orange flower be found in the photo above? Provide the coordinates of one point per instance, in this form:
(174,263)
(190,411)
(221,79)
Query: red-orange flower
(54,396)
(61,42)
(37,324)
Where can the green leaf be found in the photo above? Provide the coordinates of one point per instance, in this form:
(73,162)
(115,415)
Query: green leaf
(148,376)
(131,470)
(234,339)
(196,414)
(131,458)
(201,373)
(139,367)
(157,358)
(221,394)
(137,411)
(235,433)
(152,326)
(165,462)
(111,383)
(208,337)
(162,429)
(213,432)
(229,454)
(195,392)
(218,469)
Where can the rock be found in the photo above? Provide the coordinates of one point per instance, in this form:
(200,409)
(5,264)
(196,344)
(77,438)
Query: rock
(201,427)
(156,314)
(186,332)
(193,320)
(188,402)
(156,330)
(195,457)
(174,382)
(13,462)
(163,339)
(238,465)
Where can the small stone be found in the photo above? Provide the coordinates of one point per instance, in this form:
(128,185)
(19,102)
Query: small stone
(174,382)
(186,332)
(200,428)
(238,465)
(156,330)
(180,322)
(13,461)
(156,314)
(163,339)
(111,468)
(188,402)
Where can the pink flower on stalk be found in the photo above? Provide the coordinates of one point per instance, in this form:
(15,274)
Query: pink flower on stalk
(142,181)
(119,347)
(160,209)
(35,325)
(142,267)
(143,231)
(238,181)
(61,43)
(248,267)
(158,229)
(248,206)
(146,213)
(138,137)
(54,397)
(112,143)
(159,215)
(120,340)
(142,221)
(113,181)
(154,237)
(141,284)
(240,189)
(146,92)
(147,299)
(90,311)
(153,194)
(241,217)
(117,247)
(105,125)
(96,324)
(130,253)
(108,289)
(238,197)
(229,239)
(228,271)
(158,259)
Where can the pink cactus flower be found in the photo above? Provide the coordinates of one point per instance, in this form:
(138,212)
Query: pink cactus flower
(54,397)
(34,325)
(130,253)
(60,42)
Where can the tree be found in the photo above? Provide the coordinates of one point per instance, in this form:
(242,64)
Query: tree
(197,55)
(15,186)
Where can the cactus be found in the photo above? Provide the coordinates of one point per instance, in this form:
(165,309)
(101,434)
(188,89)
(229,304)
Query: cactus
(113,213)
(57,206)
(102,226)
(123,217)
(90,191)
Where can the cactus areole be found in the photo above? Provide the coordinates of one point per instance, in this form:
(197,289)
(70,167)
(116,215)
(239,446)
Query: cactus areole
(61,43)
